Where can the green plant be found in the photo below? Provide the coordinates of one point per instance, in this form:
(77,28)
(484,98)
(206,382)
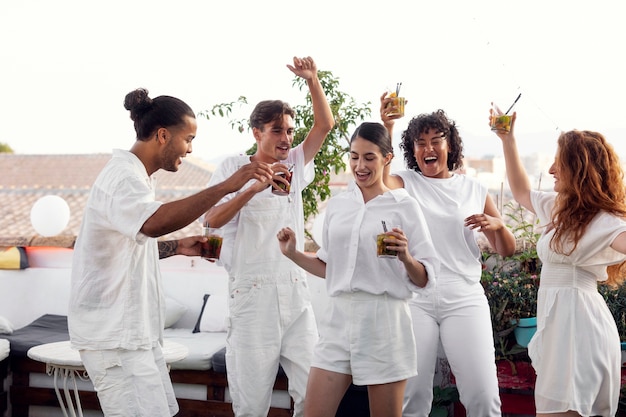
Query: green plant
(523,225)
(5,148)
(616,301)
(511,294)
(330,158)
(442,399)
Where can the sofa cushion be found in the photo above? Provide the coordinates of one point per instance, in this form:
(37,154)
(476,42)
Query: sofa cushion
(5,326)
(213,315)
(46,329)
(4,353)
(173,311)
(13,257)
(202,346)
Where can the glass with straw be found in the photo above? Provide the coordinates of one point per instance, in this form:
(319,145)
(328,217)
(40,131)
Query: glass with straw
(502,122)
(396,105)
(381,245)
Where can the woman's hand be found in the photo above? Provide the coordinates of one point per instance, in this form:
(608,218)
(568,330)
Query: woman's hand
(484,222)
(398,242)
(388,111)
(503,135)
(287,242)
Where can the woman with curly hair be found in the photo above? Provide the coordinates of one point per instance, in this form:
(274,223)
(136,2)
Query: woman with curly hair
(456,313)
(576,350)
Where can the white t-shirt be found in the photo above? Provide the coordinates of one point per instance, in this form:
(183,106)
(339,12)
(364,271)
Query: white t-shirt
(349,244)
(116,296)
(446,202)
(301,177)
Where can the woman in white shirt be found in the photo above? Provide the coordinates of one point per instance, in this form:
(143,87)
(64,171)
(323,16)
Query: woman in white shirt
(456,313)
(366,333)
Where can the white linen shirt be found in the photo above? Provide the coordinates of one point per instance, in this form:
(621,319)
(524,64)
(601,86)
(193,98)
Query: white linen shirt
(116,296)
(349,244)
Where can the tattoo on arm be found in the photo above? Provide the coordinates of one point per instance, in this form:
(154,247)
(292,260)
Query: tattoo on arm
(167,248)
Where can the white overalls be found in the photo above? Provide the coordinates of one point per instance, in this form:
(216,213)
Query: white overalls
(271,316)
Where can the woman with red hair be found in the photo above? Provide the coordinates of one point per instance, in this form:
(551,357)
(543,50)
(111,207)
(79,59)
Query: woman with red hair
(576,350)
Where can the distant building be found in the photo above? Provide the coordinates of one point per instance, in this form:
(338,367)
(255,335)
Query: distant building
(26,178)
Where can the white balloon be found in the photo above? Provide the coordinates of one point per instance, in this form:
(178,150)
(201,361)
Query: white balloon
(50,215)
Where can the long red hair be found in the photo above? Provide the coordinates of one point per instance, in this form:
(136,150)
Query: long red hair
(593,182)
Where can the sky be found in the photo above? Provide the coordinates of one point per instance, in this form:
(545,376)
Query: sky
(66,65)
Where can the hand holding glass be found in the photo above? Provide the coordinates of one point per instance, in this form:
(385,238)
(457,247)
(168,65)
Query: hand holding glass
(381,245)
(284,188)
(397,103)
(212,248)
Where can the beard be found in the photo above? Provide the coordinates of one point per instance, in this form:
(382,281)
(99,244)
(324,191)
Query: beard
(169,160)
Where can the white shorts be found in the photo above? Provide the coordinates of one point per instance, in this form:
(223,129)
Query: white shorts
(367,336)
(131,382)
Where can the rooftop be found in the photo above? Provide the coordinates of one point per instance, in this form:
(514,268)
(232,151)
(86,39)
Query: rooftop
(26,178)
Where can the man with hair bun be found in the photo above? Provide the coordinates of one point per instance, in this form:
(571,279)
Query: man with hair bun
(117,305)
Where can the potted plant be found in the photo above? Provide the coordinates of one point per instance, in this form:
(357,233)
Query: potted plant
(512,296)
(511,287)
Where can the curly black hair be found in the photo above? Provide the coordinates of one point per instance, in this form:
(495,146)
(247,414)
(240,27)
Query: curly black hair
(441,123)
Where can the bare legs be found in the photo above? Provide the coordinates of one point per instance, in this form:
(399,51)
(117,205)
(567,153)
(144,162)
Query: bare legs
(326,389)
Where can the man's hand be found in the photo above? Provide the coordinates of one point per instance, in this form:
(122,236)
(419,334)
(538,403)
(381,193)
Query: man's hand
(191,245)
(304,67)
(260,171)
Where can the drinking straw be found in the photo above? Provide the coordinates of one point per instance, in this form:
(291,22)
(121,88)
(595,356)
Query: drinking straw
(384,226)
(507,112)
(398,85)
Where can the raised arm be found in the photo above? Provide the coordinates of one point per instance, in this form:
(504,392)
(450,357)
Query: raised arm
(391,181)
(388,112)
(515,171)
(323,120)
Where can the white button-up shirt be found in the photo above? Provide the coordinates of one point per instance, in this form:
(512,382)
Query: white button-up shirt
(116,295)
(349,244)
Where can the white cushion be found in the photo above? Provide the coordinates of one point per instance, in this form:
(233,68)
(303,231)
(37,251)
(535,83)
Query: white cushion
(5,326)
(4,351)
(173,311)
(214,314)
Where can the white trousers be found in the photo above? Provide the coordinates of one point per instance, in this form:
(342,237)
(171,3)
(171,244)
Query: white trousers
(271,323)
(457,313)
(131,383)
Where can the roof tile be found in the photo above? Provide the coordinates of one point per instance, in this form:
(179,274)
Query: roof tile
(26,178)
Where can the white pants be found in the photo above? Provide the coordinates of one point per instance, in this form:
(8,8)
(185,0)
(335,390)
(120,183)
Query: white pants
(271,323)
(131,383)
(457,312)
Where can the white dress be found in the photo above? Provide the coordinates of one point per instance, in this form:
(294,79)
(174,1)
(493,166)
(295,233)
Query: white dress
(576,350)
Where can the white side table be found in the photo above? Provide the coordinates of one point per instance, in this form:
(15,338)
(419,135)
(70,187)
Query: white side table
(64,362)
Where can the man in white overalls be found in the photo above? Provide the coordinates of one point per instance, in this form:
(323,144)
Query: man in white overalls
(271,319)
